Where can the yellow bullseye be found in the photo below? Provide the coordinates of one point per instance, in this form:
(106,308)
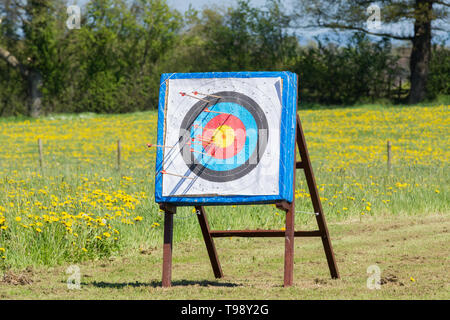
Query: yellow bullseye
(223,136)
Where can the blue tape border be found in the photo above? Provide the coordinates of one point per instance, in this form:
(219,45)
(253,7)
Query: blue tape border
(288,122)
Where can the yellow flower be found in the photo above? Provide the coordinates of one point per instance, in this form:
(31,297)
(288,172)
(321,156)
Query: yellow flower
(4,227)
(84,249)
(437,191)
(18,219)
(2,249)
(138,218)
(412,279)
(107,234)
(38,230)
(98,237)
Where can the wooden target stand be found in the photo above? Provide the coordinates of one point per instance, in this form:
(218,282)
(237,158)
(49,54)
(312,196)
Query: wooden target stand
(289,233)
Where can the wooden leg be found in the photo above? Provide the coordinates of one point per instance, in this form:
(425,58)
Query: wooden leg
(329,254)
(315,198)
(289,236)
(204,225)
(289,248)
(167,250)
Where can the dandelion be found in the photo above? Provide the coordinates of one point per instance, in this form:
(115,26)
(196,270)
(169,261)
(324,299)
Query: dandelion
(18,219)
(106,234)
(97,204)
(38,230)
(2,249)
(412,279)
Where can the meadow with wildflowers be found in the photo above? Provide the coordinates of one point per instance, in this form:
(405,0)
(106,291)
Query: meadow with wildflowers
(80,206)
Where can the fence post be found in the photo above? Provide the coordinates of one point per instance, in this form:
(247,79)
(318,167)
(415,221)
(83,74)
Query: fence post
(119,150)
(41,158)
(389,156)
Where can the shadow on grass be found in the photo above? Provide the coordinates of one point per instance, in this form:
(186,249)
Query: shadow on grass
(156,284)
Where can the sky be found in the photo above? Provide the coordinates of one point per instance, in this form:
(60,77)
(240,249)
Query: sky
(183,5)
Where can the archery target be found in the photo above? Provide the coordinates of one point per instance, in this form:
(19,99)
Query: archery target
(222,137)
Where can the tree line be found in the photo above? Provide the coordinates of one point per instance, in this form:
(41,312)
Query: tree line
(113,62)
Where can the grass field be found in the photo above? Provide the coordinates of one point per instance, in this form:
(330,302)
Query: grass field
(411,252)
(79,208)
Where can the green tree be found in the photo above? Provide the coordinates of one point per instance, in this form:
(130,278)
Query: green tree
(360,70)
(36,48)
(424,15)
(439,81)
(109,65)
(120,46)
(239,38)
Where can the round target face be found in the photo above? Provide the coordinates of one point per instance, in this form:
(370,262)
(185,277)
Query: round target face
(223,136)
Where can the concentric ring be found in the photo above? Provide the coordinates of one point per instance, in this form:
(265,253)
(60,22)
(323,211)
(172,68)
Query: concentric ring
(223,136)
(198,156)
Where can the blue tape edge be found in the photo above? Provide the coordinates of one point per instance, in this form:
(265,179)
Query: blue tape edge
(288,121)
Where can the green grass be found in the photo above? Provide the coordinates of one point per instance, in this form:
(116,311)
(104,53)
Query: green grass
(347,147)
(411,252)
